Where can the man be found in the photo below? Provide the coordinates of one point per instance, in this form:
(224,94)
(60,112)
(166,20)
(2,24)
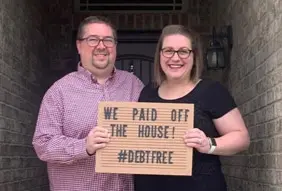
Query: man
(66,134)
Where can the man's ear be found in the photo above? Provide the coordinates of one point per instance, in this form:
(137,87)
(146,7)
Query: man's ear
(78,46)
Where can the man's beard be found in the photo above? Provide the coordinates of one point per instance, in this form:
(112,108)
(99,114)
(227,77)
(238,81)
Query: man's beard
(96,64)
(101,66)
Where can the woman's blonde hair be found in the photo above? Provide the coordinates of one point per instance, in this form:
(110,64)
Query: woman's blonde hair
(159,75)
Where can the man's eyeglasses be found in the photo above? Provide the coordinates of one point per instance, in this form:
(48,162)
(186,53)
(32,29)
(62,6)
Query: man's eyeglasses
(182,53)
(93,41)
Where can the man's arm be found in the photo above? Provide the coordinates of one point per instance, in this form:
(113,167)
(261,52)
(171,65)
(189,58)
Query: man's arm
(49,142)
(138,85)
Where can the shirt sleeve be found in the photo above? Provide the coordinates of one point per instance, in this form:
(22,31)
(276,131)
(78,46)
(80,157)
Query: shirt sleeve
(138,85)
(49,142)
(219,100)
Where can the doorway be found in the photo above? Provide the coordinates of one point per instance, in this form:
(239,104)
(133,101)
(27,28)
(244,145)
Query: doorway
(135,53)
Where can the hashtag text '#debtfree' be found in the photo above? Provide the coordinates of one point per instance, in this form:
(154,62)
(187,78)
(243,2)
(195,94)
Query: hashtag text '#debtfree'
(141,156)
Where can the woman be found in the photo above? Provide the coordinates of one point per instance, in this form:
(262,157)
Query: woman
(219,128)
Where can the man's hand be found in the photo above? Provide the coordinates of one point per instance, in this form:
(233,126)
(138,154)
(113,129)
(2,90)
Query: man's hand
(97,139)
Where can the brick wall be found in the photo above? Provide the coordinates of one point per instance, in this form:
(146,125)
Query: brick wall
(22,62)
(256,82)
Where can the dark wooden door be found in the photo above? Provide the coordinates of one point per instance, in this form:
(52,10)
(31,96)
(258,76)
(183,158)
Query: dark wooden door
(135,53)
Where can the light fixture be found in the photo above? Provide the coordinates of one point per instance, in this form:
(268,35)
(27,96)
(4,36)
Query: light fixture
(218,52)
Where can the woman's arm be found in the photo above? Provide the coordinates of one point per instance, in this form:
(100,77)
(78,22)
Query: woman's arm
(234,134)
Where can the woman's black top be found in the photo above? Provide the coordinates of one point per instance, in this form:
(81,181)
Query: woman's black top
(211,101)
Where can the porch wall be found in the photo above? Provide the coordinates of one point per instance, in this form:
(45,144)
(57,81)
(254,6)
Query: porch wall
(23,57)
(255,79)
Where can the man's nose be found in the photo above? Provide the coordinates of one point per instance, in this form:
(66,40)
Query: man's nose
(101,44)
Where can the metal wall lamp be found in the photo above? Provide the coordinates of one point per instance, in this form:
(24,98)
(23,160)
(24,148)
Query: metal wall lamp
(219,51)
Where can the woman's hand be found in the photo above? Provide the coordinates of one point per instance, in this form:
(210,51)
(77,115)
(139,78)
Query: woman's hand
(197,139)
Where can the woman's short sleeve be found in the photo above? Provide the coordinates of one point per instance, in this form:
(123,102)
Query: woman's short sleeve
(145,93)
(219,100)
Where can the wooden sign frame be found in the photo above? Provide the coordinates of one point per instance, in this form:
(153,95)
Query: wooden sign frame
(147,138)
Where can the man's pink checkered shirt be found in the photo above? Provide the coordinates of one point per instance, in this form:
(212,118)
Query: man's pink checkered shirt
(68,112)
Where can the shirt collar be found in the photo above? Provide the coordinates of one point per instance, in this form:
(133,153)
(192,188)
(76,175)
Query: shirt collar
(90,76)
